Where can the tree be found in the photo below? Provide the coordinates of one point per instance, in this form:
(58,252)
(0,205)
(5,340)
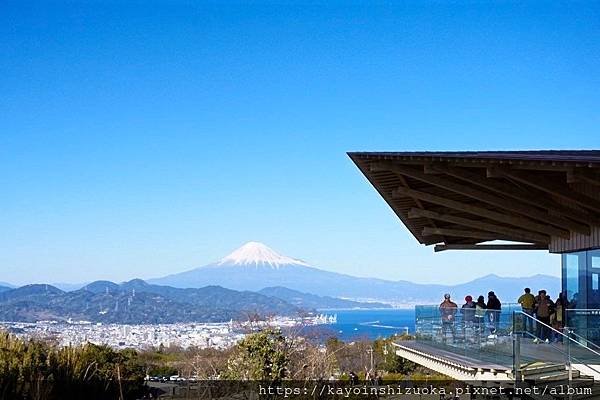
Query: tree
(259,356)
(207,363)
(35,370)
(386,358)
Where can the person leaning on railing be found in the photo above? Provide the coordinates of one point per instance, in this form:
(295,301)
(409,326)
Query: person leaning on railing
(468,313)
(527,302)
(557,319)
(544,307)
(480,311)
(494,308)
(448,310)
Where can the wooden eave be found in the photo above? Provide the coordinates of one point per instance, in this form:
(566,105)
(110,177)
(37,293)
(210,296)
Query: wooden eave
(460,200)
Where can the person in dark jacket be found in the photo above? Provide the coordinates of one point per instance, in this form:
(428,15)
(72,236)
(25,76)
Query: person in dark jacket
(467,312)
(494,308)
(448,310)
(544,307)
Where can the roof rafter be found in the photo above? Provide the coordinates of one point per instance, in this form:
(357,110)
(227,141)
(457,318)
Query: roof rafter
(464,233)
(515,193)
(443,247)
(548,187)
(517,221)
(516,234)
(485,197)
(580,175)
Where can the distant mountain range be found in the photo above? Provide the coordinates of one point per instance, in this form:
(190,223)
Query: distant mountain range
(254,279)
(254,266)
(137,302)
(4,288)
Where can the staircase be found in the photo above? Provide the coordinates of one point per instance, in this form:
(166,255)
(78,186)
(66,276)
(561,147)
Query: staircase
(541,381)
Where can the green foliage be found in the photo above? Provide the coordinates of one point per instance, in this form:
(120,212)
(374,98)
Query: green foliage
(259,356)
(388,360)
(161,362)
(162,370)
(36,370)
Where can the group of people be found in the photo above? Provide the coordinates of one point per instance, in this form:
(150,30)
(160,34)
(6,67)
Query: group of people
(478,313)
(550,314)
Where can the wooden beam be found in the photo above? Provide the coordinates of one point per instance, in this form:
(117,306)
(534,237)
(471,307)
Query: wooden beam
(572,177)
(550,166)
(426,241)
(518,221)
(517,235)
(443,247)
(548,187)
(485,197)
(581,176)
(517,193)
(463,233)
(431,169)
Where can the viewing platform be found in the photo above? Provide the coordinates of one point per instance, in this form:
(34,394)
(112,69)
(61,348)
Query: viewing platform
(497,349)
(503,201)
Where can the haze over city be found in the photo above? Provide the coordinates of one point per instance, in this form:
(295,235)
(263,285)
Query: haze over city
(139,142)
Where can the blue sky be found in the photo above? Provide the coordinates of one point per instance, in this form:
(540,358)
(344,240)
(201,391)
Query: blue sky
(142,139)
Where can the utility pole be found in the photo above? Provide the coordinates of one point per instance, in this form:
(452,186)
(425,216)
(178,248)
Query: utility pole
(370,351)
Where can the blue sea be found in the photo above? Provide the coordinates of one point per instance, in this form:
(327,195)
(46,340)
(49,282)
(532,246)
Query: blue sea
(371,324)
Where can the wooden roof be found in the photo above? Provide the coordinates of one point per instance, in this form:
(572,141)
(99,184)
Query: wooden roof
(459,200)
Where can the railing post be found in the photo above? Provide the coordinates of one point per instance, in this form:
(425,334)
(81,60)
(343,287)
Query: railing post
(516,351)
(517,357)
(569,367)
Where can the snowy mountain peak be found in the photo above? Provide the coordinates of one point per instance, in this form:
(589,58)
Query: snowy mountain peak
(255,253)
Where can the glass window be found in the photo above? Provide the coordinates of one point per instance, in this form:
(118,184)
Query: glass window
(571,271)
(593,279)
(595,259)
(581,282)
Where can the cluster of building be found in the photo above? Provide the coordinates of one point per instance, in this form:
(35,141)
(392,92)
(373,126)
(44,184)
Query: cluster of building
(119,336)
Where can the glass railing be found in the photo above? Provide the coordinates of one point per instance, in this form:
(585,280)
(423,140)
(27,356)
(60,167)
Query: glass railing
(507,337)
(584,325)
(539,341)
(483,335)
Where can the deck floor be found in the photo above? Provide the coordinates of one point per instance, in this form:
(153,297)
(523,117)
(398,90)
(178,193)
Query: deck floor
(500,356)
(446,352)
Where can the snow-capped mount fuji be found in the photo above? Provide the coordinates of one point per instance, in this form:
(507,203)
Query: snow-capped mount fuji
(255,266)
(258,254)
(252,266)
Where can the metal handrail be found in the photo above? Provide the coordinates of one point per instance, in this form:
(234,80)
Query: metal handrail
(561,351)
(554,347)
(572,332)
(571,311)
(559,332)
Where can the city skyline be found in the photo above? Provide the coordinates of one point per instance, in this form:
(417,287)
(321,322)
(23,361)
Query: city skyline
(140,141)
